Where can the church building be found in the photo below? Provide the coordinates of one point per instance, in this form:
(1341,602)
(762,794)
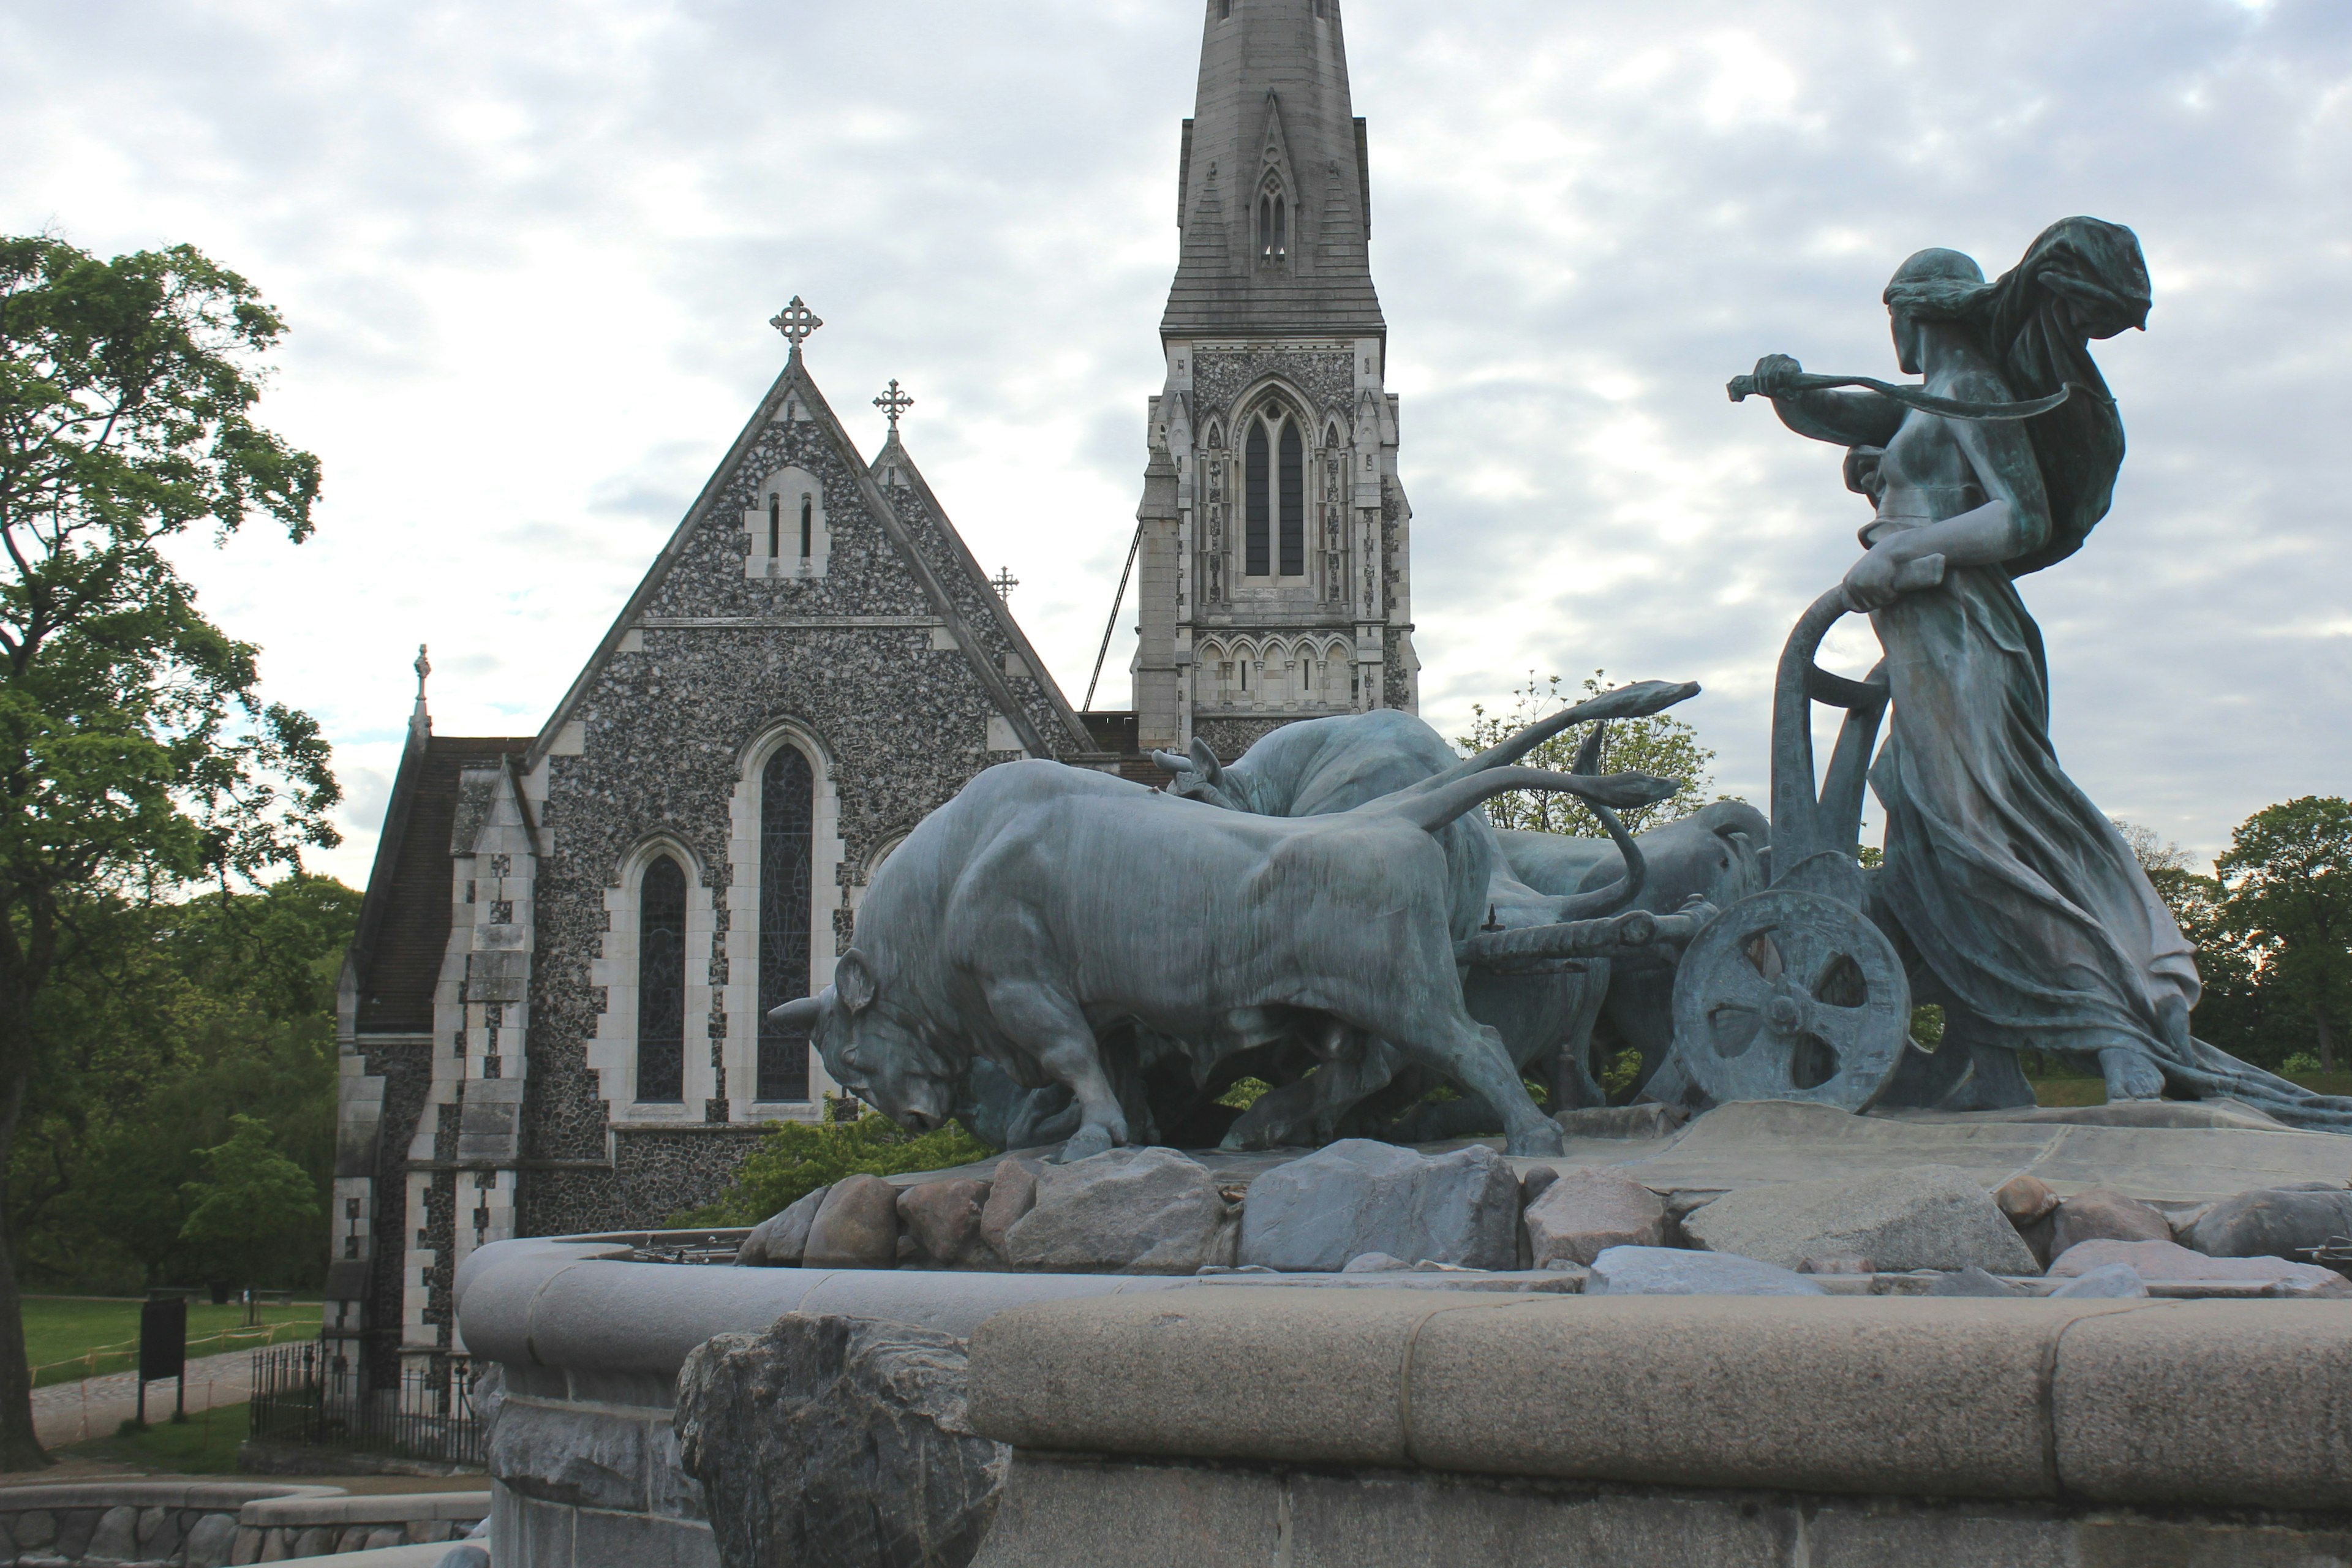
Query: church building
(553,1017)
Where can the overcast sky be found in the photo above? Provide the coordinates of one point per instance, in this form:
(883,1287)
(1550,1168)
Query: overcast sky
(526,251)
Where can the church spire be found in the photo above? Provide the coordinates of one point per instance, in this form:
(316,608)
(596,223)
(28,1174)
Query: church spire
(1275,200)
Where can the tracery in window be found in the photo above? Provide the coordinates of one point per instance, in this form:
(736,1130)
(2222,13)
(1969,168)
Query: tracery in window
(787,815)
(1272,222)
(661,982)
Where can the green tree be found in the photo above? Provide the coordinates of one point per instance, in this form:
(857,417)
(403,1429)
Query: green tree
(1660,745)
(250,1195)
(136,754)
(2288,876)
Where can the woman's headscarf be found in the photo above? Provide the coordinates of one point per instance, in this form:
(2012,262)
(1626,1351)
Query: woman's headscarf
(2082,279)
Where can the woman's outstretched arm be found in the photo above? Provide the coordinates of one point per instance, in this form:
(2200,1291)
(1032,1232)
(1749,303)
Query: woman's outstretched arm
(1845,417)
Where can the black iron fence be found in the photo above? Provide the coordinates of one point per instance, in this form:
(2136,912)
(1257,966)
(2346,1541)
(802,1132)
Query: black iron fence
(314,1395)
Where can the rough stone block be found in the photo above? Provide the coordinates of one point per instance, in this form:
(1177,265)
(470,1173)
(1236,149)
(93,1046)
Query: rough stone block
(583,1457)
(316,1540)
(35,1529)
(1374,1263)
(115,1537)
(1976,1282)
(1671,1271)
(2167,1261)
(2109,1281)
(1835,1263)
(1929,1217)
(385,1535)
(780,1239)
(2273,1223)
(2025,1199)
(1622,1120)
(1011,1195)
(837,1441)
(2101,1214)
(1130,1211)
(856,1227)
(212,1540)
(1357,1196)
(943,1218)
(1585,1213)
(74,1531)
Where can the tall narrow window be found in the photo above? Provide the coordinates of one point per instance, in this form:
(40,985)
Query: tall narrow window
(1273,224)
(776,526)
(805,540)
(787,809)
(1224,10)
(1294,502)
(1255,488)
(661,982)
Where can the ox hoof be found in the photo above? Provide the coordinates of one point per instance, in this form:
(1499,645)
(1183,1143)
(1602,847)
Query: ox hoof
(1544,1138)
(1087,1142)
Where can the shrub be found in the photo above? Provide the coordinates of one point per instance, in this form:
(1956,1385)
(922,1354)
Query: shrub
(796,1158)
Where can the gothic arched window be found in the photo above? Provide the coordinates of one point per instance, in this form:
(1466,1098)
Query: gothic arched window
(787,814)
(807,507)
(1294,502)
(1273,224)
(661,982)
(1256,507)
(776,525)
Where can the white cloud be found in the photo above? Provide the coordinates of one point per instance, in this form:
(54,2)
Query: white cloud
(526,251)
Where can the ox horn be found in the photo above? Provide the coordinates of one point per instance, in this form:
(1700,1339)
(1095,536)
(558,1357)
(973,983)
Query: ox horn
(800,1014)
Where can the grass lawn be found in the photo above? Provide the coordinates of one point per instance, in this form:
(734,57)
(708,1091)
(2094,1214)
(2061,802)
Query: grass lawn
(203,1445)
(65,1330)
(2094,1091)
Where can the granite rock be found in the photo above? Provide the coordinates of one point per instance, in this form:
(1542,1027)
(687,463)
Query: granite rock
(1671,1271)
(942,1219)
(1128,1211)
(779,1240)
(856,1227)
(2273,1222)
(2109,1281)
(1012,1193)
(1648,1120)
(1929,1217)
(1974,1281)
(1374,1263)
(1835,1263)
(2167,1260)
(2101,1214)
(1587,1212)
(2025,1198)
(211,1541)
(1357,1196)
(798,1434)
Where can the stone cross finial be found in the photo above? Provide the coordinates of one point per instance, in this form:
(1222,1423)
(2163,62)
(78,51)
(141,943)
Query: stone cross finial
(796,321)
(424,667)
(893,403)
(1004,582)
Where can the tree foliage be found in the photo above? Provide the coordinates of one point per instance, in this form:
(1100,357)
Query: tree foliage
(1660,745)
(137,755)
(796,1158)
(250,1193)
(2288,876)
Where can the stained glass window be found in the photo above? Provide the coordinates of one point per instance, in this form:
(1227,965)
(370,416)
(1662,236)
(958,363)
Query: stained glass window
(1294,503)
(661,982)
(1255,490)
(787,809)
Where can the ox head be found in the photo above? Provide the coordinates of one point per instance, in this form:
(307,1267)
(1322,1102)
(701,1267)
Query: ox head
(874,1050)
(1198,775)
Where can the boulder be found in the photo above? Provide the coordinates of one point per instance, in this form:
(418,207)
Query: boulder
(1976,1282)
(1357,1196)
(1127,1211)
(780,1239)
(2109,1281)
(2025,1199)
(1011,1195)
(211,1541)
(1585,1213)
(1929,1217)
(2167,1261)
(1623,1121)
(2102,1213)
(856,1227)
(2275,1222)
(942,1219)
(833,1442)
(1835,1263)
(1374,1263)
(1671,1271)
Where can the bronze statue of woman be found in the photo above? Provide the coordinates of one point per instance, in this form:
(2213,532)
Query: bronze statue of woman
(2017,904)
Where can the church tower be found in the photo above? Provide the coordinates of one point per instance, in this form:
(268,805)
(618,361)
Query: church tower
(1274,542)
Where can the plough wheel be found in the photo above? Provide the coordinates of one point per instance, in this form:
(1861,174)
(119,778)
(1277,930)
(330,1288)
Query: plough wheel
(1791,996)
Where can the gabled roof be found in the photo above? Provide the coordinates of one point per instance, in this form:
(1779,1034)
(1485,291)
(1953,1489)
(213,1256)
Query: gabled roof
(795,380)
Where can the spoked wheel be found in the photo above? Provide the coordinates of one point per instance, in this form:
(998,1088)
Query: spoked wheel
(1791,996)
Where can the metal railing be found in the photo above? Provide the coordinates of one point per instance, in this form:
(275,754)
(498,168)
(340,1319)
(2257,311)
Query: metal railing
(313,1395)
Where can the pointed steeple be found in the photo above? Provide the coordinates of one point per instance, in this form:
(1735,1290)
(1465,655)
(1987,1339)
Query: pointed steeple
(1276,207)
